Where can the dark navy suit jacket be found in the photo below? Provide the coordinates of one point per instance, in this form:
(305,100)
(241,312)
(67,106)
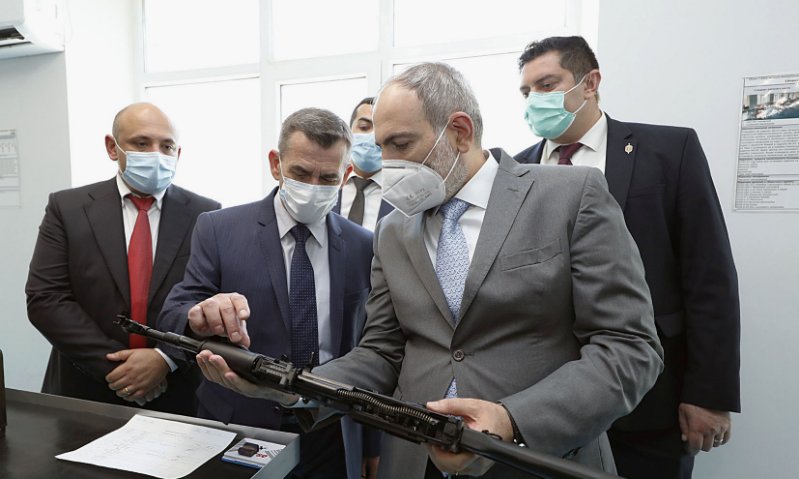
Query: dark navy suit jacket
(660,177)
(238,250)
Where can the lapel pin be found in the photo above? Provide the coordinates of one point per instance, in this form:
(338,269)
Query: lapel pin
(629,148)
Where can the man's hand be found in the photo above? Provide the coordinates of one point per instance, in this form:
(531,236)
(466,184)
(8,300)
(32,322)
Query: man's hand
(369,467)
(479,415)
(215,369)
(224,314)
(140,377)
(704,428)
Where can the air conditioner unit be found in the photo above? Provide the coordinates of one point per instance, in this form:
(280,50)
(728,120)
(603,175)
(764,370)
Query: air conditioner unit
(31,27)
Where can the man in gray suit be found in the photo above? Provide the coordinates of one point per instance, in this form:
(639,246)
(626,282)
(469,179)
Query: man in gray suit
(513,291)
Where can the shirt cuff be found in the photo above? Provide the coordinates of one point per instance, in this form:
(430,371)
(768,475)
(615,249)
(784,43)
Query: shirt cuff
(172,366)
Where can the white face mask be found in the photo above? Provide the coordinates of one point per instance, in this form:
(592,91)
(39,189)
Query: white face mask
(307,203)
(412,187)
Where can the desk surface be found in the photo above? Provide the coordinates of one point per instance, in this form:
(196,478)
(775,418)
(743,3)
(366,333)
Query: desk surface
(41,426)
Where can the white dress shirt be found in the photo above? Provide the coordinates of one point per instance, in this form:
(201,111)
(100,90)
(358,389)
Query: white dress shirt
(129,215)
(372,198)
(475,192)
(594,150)
(317,249)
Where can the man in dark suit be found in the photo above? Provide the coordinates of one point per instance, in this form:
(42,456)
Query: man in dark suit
(660,177)
(91,264)
(303,271)
(489,289)
(361,198)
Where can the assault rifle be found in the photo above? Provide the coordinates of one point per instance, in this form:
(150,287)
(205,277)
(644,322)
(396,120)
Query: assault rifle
(403,419)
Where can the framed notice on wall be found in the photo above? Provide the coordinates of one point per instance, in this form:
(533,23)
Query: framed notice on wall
(9,169)
(767,176)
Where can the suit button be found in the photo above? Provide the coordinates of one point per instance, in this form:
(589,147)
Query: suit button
(276,409)
(458,355)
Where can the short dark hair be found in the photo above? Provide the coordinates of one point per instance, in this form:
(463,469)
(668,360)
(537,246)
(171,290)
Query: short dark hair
(323,127)
(575,54)
(369,100)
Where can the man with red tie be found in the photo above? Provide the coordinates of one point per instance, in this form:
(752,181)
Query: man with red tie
(114,247)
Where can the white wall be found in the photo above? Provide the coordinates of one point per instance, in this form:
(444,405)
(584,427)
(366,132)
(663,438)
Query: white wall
(33,101)
(681,62)
(61,105)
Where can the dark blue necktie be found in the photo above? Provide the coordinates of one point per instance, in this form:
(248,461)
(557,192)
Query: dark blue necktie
(302,303)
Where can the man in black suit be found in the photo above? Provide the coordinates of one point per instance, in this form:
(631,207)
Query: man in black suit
(361,197)
(660,177)
(98,254)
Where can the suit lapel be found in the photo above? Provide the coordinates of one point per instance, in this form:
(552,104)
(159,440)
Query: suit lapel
(385,209)
(337,208)
(269,240)
(336,253)
(420,259)
(510,188)
(173,226)
(105,219)
(619,160)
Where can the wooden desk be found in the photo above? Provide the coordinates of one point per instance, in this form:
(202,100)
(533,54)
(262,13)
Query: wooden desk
(41,426)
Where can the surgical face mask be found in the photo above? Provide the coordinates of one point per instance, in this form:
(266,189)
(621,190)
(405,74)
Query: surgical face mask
(547,115)
(307,203)
(412,187)
(148,172)
(366,155)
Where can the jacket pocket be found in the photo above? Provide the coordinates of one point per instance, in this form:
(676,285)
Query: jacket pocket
(647,190)
(530,256)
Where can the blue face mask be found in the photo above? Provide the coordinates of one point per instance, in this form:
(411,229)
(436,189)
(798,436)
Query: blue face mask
(546,113)
(366,155)
(148,172)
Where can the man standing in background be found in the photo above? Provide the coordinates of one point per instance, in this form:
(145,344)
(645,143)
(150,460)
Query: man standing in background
(114,247)
(361,199)
(660,177)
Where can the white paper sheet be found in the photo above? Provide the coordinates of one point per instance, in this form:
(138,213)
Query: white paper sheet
(152,446)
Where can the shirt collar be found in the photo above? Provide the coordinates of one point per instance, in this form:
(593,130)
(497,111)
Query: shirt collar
(591,139)
(377,177)
(477,190)
(285,222)
(124,191)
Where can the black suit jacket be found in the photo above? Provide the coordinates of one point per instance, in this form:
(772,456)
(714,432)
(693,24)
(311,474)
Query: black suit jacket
(660,177)
(78,283)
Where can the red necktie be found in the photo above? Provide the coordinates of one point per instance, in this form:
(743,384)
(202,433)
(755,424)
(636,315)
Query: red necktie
(140,266)
(566,153)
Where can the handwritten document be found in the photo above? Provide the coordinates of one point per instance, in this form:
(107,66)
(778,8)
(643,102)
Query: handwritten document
(152,446)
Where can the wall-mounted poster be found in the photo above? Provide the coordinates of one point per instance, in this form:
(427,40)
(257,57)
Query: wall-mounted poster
(9,169)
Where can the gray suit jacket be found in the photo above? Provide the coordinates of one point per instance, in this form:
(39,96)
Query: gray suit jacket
(556,320)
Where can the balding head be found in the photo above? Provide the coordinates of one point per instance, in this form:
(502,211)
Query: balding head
(141,112)
(141,127)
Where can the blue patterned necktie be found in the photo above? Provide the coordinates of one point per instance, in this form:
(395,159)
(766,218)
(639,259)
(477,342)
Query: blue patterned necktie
(452,262)
(302,303)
